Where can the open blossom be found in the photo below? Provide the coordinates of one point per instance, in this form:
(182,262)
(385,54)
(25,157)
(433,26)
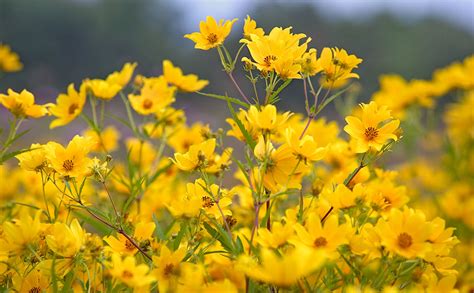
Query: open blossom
(374,129)
(23,104)
(185,83)
(9,60)
(211,34)
(154,96)
(68,106)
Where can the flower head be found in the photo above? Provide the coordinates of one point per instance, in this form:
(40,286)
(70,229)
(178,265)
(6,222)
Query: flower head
(68,106)
(211,34)
(23,104)
(9,60)
(185,83)
(154,96)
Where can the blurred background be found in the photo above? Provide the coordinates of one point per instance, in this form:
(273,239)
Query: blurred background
(64,41)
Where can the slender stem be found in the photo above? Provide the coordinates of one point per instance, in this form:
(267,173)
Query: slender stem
(44,196)
(255,226)
(111,200)
(310,118)
(231,76)
(11,136)
(121,231)
(129,113)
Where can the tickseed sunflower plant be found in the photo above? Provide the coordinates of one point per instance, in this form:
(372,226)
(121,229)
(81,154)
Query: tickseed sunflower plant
(303,204)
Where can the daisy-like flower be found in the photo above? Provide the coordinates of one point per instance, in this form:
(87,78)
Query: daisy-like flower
(211,34)
(66,240)
(70,161)
(337,65)
(266,119)
(405,233)
(186,83)
(68,106)
(143,233)
(123,76)
(197,156)
(130,273)
(23,104)
(373,130)
(154,96)
(167,266)
(250,28)
(34,159)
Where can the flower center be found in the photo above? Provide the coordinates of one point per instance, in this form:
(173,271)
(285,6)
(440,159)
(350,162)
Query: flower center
(320,242)
(168,269)
(73,108)
(404,240)
(371,133)
(268,60)
(207,202)
(129,246)
(35,290)
(127,274)
(147,104)
(212,38)
(68,165)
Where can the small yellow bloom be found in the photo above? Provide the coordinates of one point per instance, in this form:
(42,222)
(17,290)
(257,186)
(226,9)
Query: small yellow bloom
(102,89)
(185,83)
(68,106)
(34,159)
(35,281)
(197,156)
(167,267)
(123,76)
(405,233)
(283,271)
(337,65)
(305,149)
(9,60)
(155,96)
(107,141)
(130,273)
(71,161)
(250,28)
(66,240)
(211,34)
(266,119)
(23,104)
(142,235)
(367,132)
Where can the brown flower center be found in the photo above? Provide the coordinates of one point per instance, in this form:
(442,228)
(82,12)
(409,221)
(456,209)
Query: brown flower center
(207,202)
(371,133)
(212,38)
(147,104)
(320,242)
(127,274)
(404,240)
(129,246)
(73,108)
(168,269)
(268,60)
(68,165)
(35,290)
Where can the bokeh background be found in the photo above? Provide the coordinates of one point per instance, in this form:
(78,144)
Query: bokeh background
(64,41)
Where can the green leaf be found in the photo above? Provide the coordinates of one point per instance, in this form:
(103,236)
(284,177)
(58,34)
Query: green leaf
(226,98)
(244,131)
(158,230)
(221,235)
(274,95)
(10,155)
(330,99)
(177,239)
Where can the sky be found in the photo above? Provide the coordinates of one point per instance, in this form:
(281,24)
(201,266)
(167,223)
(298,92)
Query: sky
(458,12)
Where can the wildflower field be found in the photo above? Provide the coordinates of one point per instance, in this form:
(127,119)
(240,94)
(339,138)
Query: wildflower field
(146,202)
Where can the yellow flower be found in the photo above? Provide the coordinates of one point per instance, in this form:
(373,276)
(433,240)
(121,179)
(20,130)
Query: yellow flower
(25,231)
(185,83)
(107,141)
(155,96)
(405,233)
(141,152)
(384,195)
(305,149)
(459,118)
(250,28)
(208,197)
(102,89)
(35,281)
(282,271)
(236,132)
(142,235)
(367,132)
(344,197)
(197,156)
(337,65)
(211,34)
(279,51)
(68,106)
(128,272)
(122,77)
(23,104)
(167,267)
(326,238)
(184,137)
(66,240)
(277,237)
(72,161)
(266,119)
(34,159)
(309,64)
(9,60)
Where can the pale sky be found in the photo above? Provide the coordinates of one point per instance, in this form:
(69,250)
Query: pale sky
(459,12)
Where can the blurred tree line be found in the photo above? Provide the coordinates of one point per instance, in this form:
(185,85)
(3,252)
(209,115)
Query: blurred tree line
(63,41)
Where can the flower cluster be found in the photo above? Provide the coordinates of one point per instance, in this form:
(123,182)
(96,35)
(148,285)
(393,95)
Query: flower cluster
(301,203)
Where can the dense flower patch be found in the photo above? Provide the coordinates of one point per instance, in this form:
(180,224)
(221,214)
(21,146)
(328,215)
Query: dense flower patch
(304,204)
